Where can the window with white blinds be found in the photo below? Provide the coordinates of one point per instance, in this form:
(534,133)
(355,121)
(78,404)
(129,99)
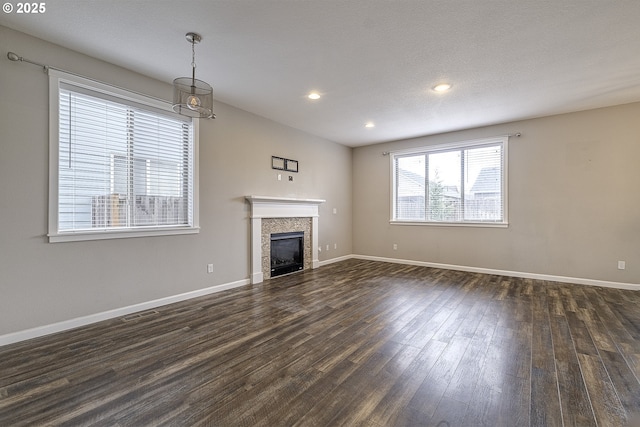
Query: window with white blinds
(464,183)
(123,164)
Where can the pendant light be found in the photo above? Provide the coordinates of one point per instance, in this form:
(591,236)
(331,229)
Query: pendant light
(193,97)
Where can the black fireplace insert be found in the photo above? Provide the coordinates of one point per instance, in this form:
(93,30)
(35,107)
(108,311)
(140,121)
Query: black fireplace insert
(287,253)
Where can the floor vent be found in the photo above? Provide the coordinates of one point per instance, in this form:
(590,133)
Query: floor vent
(140,315)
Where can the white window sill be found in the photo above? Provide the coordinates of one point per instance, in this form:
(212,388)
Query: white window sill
(452,224)
(77,236)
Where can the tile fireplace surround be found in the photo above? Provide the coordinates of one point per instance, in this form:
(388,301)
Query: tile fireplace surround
(280,207)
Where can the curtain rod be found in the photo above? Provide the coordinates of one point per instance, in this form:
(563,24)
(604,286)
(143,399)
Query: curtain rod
(45,68)
(508,135)
(15,57)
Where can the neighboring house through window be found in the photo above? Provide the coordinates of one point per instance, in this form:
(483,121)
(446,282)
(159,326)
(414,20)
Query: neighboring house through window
(122,164)
(462,183)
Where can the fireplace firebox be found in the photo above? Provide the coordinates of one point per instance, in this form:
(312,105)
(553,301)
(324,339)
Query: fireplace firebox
(287,253)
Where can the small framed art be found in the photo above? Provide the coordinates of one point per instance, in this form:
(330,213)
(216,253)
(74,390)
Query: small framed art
(278,163)
(291,165)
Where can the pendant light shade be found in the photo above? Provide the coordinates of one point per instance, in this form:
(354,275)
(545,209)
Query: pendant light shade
(193,97)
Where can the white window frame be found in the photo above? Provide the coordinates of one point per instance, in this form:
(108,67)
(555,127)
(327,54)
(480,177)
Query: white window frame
(476,143)
(56,78)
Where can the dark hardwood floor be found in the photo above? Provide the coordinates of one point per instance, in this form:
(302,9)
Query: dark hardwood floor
(354,343)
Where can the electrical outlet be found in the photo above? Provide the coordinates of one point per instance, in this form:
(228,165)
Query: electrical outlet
(335,246)
(327,247)
(395,246)
(291,178)
(279,177)
(209,268)
(622,265)
(335,211)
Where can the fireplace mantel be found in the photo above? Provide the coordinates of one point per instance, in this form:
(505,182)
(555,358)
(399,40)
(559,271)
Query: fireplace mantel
(280,207)
(283,207)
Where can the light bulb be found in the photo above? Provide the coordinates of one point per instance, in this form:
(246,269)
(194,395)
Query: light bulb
(442,87)
(193,102)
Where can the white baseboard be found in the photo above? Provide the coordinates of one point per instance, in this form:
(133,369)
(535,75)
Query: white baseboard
(257,278)
(119,312)
(110,314)
(333,260)
(548,277)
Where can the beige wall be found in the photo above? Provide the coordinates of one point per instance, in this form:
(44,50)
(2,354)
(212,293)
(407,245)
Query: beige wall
(43,283)
(574,204)
(574,201)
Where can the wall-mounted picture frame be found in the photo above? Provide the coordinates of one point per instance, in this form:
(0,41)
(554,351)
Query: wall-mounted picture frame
(278,163)
(292,165)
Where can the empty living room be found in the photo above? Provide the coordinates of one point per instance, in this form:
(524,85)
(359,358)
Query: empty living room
(320,213)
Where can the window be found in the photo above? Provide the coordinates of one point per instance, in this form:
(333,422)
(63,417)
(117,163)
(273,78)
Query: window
(453,184)
(121,164)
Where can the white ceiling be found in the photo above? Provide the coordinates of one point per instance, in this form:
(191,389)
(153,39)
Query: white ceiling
(372,60)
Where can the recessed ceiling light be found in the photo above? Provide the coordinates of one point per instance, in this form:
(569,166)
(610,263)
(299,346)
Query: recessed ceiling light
(442,87)
(313,95)
(369,125)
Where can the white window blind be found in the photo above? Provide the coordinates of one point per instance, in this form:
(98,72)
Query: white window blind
(122,166)
(454,184)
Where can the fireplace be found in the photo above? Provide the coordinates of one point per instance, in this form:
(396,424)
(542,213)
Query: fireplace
(271,215)
(287,253)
